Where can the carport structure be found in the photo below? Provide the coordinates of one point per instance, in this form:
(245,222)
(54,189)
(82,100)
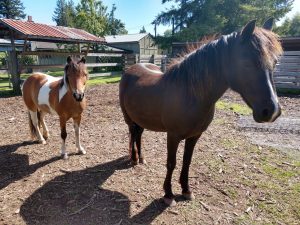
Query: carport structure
(31,31)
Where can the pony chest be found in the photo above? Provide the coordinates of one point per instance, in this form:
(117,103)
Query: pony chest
(49,94)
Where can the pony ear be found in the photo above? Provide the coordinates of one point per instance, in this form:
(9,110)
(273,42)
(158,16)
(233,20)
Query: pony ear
(69,59)
(248,30)
(268,25)
(82,60)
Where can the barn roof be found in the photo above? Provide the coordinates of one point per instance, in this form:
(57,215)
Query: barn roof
(125,38)
(29,30)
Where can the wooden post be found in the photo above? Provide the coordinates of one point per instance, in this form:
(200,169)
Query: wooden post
(79,49)
(173,26)
(88,49)
(13,70)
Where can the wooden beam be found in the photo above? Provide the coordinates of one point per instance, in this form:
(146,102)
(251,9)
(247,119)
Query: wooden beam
(104,54)
(51,53)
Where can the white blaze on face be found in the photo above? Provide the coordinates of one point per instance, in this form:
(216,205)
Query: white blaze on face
(275,99)
(43,97)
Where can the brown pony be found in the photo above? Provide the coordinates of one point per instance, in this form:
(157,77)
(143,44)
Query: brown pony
(182,101)
(62,96)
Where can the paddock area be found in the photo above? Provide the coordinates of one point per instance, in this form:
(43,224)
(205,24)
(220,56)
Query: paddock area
(241,173)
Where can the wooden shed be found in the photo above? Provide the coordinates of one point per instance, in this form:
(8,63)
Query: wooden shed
(287,71)
(142,43)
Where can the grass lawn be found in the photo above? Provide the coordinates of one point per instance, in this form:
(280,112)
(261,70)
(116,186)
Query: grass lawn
(6,91)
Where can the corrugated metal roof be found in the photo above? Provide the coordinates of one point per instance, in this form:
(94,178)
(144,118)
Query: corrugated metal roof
(125,38)
(38,31)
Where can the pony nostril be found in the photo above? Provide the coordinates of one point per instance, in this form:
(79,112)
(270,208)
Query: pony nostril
(265,113)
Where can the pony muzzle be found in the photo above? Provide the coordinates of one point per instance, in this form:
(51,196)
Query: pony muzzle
(78,96)
(269,113)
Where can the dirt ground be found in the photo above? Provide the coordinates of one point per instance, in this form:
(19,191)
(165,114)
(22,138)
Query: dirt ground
(235,179)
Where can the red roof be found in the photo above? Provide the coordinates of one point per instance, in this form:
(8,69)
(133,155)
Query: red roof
(43,32)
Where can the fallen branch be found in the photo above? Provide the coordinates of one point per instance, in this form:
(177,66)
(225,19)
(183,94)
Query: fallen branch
(84,207)
(206,207)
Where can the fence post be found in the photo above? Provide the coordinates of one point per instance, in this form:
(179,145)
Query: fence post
(164,64)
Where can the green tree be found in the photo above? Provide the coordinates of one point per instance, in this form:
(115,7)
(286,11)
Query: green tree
(92,17)
(194,19)
(290,27)
(115,26)
(64,14)
(12,9)
(143,30)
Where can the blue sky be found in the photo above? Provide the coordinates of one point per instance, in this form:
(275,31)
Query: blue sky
(134,13)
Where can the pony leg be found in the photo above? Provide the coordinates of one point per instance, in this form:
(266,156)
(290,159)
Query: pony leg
(187,158)
(76,123)
(63,134)
(132,141)
(139,131)
(45,128)
(172,145)
(35,123)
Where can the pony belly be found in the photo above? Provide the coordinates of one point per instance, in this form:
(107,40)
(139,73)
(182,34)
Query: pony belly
(152,122)
(46,108)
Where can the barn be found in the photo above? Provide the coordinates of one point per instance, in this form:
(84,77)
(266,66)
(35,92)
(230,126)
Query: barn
(142,43)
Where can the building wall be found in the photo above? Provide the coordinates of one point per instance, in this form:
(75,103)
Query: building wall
(133,46)
(147,46)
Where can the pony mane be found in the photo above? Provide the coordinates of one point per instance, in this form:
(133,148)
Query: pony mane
(268,45)
(193,70)
(71,66)
(190,48)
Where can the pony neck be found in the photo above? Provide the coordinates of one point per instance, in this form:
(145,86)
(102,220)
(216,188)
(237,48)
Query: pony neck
(202,73)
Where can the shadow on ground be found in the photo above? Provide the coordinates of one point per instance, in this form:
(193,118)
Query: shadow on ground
(15,166)
(78,198)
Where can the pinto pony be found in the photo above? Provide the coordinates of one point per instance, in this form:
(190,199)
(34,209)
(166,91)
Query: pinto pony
(182,101)
(44,94)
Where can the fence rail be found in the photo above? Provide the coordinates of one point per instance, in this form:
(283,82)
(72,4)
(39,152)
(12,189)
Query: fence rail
(287,71)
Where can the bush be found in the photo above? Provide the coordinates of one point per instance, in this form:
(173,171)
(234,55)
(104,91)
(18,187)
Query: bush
(27,60)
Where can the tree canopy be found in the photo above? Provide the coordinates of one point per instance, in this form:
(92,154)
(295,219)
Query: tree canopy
(12,9)
(90,15)
(290,27)
(143,30)
(193,19)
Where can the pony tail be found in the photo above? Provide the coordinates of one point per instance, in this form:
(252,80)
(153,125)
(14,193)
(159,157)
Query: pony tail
(31,127)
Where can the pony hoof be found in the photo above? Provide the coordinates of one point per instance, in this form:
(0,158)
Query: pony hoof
(42,142)
(188,196)
(82,152)
(133,163)
(142,161)
(170,202)
(65,156)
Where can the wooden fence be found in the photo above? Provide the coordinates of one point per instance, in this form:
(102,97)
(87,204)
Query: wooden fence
(159,60)
(287,71)
(91,58)
(49,60)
